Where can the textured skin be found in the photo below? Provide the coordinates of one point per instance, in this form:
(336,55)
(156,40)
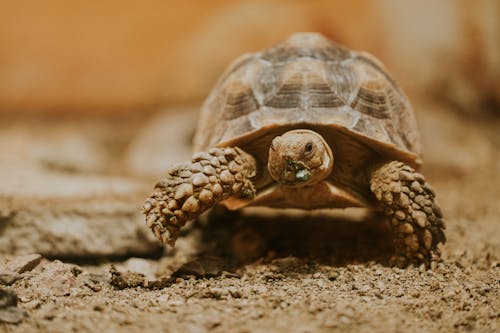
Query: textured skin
(308,81)
(416,219)
(188,190)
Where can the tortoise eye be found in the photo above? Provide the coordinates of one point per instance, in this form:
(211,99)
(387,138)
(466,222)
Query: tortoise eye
(308,148)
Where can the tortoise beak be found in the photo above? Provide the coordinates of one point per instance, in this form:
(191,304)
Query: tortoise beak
(295,172)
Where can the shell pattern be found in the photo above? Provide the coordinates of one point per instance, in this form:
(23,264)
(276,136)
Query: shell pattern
(308,81)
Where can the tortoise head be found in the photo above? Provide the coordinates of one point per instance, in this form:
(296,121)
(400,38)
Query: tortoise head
(299,157)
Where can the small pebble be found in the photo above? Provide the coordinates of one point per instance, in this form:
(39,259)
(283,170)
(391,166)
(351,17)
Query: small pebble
(332,275)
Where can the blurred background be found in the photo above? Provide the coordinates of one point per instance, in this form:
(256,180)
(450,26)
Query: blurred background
(108,56)
(98,97)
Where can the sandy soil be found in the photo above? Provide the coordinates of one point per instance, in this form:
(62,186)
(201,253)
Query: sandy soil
(275,273)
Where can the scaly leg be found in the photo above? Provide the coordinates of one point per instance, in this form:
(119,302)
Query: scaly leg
(416,219)
(190,189)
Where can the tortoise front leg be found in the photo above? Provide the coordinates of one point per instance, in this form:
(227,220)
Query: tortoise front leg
(190,189)
(416,219)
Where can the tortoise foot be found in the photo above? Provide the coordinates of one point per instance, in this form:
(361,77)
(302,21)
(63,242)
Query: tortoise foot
(416,219)
(190,189)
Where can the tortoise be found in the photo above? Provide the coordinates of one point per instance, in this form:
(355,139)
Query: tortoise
(306,124)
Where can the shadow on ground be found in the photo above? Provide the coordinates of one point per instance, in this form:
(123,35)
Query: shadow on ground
(323,239)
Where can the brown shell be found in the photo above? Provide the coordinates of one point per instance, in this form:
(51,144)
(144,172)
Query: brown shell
(309,82)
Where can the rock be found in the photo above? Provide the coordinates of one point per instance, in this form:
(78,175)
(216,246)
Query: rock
(7,298)
(59,205)
(11,267)
(332,274)
(8,279)
(162,142)
(123,280)
(12,315)
(93,281)
(50,279)
(69,146)
(160,283)
(9,312)
(21,264)
(71,215)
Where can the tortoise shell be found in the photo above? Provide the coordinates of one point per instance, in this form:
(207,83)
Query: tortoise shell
(310,82)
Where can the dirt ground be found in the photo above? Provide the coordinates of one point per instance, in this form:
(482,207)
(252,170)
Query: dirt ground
(271,272)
